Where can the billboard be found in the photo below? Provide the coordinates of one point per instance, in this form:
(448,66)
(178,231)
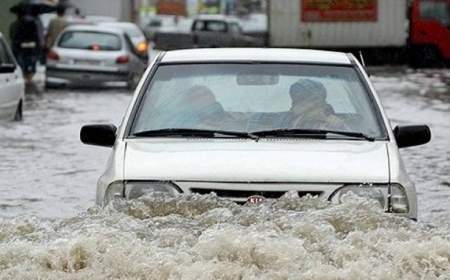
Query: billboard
(339,10)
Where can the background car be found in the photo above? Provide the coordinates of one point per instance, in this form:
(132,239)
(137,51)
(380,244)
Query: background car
(136,35)
(12,85)
(206,31)
(158,23)
(93,55)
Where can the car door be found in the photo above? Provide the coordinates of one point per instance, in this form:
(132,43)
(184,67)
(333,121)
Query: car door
(237,39)
(11,82)
(138,62)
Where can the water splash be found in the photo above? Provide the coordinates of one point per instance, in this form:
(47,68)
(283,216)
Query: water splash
(206,237)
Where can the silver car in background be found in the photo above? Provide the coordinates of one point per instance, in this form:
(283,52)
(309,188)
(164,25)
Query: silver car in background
(85,55)
(12,85)
(253,124)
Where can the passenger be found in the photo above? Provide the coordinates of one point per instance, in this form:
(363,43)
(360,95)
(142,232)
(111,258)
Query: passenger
(198,108)
(309,108)
(204,107)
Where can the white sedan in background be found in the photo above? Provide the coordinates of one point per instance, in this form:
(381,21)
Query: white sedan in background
(92,55)
(12,85)
(253,124)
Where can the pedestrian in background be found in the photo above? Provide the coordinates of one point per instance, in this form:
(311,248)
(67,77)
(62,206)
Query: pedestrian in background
(26,40)
(41,46)
(56,25)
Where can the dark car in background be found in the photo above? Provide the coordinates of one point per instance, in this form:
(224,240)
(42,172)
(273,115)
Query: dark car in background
(207,31)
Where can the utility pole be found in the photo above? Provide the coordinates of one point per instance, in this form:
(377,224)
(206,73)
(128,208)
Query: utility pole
(133,10)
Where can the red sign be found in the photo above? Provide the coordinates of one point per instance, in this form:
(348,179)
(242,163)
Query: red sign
(339,10)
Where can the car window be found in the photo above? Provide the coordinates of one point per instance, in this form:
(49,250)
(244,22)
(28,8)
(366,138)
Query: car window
(215,26)
(235,28)
(245,97)
(5,56)
(437,10)
(199,25)
(90,40)
(155,23)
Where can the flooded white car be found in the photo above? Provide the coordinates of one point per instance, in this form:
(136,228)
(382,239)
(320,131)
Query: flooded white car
(255,124)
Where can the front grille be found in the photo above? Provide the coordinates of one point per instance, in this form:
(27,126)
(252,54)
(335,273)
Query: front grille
(246,193)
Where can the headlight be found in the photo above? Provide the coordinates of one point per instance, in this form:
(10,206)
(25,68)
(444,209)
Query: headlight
(114,190)
(136,189)
(392,197)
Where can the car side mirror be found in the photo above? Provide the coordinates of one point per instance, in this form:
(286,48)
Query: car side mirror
(413,135)
(7,68)
(98,134)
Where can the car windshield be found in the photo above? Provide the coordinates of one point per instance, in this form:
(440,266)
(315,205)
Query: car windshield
(257,97)
(437,10)
(90,40)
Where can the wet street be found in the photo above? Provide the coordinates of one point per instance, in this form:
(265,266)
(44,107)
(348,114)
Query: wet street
(48,180)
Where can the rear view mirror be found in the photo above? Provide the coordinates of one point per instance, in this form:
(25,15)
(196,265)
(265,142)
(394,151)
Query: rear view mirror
(98,134)
(7,68)
(414,135)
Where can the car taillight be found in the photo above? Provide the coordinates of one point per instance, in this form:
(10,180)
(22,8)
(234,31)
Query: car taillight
(123,59)
(52,55)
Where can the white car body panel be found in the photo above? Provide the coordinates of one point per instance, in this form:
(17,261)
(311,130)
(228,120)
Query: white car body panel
(241,160)
(12,90)
(255,54)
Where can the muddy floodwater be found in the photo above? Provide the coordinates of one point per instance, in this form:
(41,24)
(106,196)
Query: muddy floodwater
(50,229)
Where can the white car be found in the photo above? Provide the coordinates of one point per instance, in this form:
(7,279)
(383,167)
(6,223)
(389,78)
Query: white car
(252,124)
(12,85)
(92,55)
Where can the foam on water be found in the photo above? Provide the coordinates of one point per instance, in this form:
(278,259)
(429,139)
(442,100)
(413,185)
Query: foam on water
(205,237)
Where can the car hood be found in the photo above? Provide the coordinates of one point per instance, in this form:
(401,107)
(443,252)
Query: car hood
(275,160)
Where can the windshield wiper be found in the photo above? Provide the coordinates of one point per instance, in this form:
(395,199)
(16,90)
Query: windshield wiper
(313,133)
(189,132)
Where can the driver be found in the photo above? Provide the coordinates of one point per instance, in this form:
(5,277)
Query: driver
(309,109)
(200,108)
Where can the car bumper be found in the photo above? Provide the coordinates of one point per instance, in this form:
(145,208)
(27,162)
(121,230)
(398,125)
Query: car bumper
(83,77)
(240,192)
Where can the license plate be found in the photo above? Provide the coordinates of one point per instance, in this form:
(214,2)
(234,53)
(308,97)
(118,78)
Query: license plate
(256,199)
(87,62)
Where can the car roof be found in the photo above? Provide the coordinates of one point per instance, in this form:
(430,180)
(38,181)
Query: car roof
(91,27)
(257,55)
(217,17)
(118,23)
